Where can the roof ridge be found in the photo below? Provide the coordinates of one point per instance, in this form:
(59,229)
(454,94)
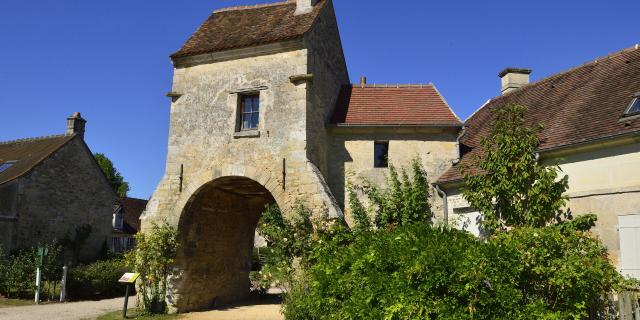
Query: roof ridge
(418,85)
(555,76)
(255,6)
(585,64)
(33,139)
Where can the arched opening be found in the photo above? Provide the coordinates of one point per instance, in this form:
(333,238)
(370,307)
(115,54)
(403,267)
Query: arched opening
(217,229)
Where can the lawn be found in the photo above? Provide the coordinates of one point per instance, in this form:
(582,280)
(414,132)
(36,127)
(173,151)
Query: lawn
(5,303)
(134,314)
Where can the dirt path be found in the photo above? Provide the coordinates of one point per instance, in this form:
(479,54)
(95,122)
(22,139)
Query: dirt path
(65,311)
(256,312)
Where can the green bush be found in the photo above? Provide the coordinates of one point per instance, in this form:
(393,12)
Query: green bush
(18,272)
(422,272)
(97,280)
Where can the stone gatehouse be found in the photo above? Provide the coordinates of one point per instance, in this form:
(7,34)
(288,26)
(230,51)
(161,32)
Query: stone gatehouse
(263,112)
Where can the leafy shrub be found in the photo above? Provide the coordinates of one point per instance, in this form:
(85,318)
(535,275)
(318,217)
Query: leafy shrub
(18,272)
(422,272)
(97,280)
(153,259)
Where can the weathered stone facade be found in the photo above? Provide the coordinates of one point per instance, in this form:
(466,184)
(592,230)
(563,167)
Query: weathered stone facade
(219,178)
(65,191)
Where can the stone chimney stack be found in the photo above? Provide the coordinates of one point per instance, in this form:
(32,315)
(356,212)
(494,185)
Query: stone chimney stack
(75,124)
(363,81)
(514,78)
(304,6)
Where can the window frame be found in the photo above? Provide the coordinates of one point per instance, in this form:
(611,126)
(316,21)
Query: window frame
(8,165)
(634,101)
(376,164)
(242,114)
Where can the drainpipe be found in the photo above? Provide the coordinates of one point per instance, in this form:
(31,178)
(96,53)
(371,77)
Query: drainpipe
(445,205)
(459,154)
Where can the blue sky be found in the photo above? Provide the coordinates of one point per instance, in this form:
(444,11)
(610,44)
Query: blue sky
(109,59)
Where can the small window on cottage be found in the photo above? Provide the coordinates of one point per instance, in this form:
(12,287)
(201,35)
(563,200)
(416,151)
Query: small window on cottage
(6,165)
(634,107)
(249,112)
(381,154)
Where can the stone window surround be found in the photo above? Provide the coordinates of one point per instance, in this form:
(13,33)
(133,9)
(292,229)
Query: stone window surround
(254,133)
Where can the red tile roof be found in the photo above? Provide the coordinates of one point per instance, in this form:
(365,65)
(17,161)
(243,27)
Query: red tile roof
(583,104)
(393,105)
(241,27)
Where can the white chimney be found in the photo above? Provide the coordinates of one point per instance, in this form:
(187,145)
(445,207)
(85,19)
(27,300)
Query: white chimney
(514,78)
(304,6)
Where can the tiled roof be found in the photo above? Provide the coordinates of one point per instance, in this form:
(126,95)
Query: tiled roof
(392,105)
(28,153)
(133,209)
(241,27)
(583,104)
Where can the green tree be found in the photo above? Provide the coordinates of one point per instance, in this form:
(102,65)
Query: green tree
(404,201)
(116,180)
(506,183)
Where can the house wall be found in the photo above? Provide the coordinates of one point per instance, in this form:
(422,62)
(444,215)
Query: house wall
(202,137)
(603,181)
(8,215)
(352,156)
(64,192)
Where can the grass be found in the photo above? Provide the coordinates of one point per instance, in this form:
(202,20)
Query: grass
(6,303)
(134,314)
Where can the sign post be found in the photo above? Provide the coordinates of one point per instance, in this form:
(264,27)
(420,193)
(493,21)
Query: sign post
(128,279)
(63,284)
(42,256)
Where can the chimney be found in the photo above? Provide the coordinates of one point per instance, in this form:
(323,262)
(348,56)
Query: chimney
(75,125)
(514,78)
(363,81)
(304,6)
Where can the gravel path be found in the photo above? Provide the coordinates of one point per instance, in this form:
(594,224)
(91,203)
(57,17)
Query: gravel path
(65,311)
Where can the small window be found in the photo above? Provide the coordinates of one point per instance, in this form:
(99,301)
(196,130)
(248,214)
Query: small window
(381,154)
(6,165)
(249,112)
(634,107)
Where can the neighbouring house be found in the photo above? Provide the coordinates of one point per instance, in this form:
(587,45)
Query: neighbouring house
(591,119)
(51,187)
(126,223)
(263,112)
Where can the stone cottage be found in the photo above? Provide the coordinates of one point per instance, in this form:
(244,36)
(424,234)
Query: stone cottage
(51,186)
(126,223)
(263,112)
(591,119)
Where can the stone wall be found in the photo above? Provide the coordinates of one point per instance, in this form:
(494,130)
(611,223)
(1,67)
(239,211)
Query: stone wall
(352,154)
(64,192)
(329,69)
(8,215)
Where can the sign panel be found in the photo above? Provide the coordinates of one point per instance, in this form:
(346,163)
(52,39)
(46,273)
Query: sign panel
(129,277)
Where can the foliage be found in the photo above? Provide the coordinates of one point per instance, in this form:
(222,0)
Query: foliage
(424,272)
(405,200)
(120,187)
(18,272)
(96,280)
(508,186)
(153,259)
(75,241)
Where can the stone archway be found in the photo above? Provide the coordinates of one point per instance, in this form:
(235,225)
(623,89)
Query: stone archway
(217,228)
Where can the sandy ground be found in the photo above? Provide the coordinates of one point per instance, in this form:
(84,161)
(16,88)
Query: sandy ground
(258,308)
(65,311)
(255,312)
